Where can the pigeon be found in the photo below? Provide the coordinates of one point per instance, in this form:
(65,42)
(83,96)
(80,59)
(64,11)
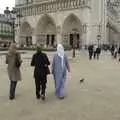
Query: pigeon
(82,80)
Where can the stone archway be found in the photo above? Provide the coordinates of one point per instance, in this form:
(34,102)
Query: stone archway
(25,35)
(72,30)
(46,31)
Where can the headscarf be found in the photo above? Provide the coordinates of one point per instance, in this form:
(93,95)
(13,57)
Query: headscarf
(12,49)
(60,52)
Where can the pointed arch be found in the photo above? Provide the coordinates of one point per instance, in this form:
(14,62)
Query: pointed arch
(46,24)
(46,30)
(25,29)
(70,24)
(25,34)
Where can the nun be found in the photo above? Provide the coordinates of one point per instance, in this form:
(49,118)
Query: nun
(60,66)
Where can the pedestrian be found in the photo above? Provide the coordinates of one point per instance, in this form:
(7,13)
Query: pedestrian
(94,50)
(119,54)
(98,51)
(115,52)
(13,59)
(41,62)
(90,50)
(60,66)
(112,50)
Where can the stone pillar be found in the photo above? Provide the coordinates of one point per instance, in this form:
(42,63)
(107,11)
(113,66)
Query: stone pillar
(85,27)
(17,37)
(34,39)
(104,23)
(59,34)
(58,28)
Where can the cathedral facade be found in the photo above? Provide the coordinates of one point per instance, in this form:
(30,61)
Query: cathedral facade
(79,22)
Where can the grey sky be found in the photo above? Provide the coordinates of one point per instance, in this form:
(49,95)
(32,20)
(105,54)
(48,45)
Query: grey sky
(5,3)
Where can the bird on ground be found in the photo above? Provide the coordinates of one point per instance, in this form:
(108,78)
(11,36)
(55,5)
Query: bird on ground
(82,80)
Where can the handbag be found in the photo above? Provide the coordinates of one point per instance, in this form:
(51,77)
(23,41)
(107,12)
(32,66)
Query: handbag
(17,61)
(47,70)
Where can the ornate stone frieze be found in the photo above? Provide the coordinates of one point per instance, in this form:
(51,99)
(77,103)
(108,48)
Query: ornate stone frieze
(51,6)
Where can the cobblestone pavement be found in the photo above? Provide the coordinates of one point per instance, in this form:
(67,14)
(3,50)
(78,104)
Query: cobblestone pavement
(98,98)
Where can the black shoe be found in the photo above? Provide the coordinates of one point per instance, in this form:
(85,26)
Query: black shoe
(11,97)
(43,97)
(38,96)
(61,98)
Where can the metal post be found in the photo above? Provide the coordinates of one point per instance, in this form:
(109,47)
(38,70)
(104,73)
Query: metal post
(98,38)
(74,45)
(13,30)
(11,15)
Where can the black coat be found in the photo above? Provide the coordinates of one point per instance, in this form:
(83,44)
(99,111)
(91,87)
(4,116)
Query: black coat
(119,50)
(90,49)
(98,50)
(41,62)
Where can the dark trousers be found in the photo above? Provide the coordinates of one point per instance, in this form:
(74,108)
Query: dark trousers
(115,55)
(94,55)
(12,88)
(90,55)
(98,54)
(40,83)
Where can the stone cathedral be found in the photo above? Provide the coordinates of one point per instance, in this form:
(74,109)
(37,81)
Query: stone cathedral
(79,22)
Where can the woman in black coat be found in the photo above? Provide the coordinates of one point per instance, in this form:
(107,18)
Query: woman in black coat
(90,51)
(119,53)
(41,62)
(98,51)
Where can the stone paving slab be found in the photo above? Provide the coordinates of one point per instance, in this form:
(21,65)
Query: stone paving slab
(96,99)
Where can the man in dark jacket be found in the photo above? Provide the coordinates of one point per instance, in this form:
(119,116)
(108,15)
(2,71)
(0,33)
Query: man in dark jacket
(41,62)
(98,51)
(90,50)
(119,53)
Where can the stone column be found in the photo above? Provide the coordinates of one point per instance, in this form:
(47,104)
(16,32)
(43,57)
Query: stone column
(85,27)
(59,34)
(104,23)
(17,36)
(34,40)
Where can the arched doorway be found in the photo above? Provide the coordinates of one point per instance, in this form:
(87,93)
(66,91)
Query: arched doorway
(46,31)
(72,31)
(25,35)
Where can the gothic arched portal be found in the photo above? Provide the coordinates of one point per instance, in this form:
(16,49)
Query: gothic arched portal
(72,31)
(46,31)
(26,34)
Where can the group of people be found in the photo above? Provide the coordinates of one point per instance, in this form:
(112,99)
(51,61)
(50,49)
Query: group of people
(115,52)
(41,63)
(94,51)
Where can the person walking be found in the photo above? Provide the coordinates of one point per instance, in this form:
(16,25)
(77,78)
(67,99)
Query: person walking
(112,49)
(60,66)
(119,54)
(94,50)
(98,51)
(90,51)
(13,59)
(116,52)
(41,62)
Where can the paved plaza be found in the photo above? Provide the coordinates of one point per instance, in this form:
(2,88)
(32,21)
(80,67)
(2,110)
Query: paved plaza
(98,98)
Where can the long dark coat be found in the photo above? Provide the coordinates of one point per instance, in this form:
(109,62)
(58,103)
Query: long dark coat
(40,61)
(90,49)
